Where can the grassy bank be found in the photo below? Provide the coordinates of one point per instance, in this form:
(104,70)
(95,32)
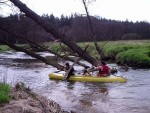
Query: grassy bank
(133,52)
(4,93)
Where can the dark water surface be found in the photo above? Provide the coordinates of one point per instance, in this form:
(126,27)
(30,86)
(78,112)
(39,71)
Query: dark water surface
(130,97)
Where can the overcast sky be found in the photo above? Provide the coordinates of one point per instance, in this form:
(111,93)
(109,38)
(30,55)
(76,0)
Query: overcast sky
(133,10)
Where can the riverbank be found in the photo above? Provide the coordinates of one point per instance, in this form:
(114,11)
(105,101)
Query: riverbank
(23,100)
(134,53)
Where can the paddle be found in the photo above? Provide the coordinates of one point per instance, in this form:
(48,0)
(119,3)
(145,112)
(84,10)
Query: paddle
(66,74)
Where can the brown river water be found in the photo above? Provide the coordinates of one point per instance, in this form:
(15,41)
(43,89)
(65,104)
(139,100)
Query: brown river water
(82,97)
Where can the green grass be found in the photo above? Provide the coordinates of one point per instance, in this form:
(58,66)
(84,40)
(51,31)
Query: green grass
(114,50)
(133,53)
(4,93)
(120,46)
(133,58)
(4,48)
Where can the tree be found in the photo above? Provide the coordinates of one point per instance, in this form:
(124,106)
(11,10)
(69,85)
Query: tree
(48,27)
(98,48)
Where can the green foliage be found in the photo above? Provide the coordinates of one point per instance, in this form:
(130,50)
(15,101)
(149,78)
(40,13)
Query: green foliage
(90,48)
(133,58)
(114,50)
(116,47)
(4,98)
(4,93)
(5,87)
(4,48)
(131,52)
(143,50)
(57,48)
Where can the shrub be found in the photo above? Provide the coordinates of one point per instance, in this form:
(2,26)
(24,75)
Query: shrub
(133,59)
(113,51)
(5,87)
(4,93)
(143,50)
(4,98)
(58,48)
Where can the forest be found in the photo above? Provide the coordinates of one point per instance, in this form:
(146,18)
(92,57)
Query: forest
(75,27)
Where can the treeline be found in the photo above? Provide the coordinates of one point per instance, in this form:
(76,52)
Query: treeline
(75,26)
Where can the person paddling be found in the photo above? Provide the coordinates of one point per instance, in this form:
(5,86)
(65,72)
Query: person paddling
(86,72)
(103,69)
(66,68)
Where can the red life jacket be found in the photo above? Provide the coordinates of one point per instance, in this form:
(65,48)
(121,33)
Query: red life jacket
(104,71)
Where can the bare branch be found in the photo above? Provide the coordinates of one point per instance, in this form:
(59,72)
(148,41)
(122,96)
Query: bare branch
(91,26)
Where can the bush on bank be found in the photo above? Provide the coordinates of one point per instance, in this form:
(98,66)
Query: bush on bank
(133,58)
(114,50)
(4,93)
(135,54)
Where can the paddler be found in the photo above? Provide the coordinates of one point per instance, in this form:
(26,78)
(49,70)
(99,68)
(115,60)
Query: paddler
(103,70)
(66,68)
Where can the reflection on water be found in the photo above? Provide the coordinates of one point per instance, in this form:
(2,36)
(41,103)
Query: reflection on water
(70,85)
(82,97)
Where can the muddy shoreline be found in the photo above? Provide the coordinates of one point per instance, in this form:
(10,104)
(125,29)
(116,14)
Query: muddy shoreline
(23,100)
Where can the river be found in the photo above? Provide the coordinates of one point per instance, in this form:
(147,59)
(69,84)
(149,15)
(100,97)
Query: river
(82,97)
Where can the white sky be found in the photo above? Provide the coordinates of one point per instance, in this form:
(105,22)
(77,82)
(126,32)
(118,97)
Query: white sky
(133,10)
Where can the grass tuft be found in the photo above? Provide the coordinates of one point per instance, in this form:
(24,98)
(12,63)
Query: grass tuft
(4,93)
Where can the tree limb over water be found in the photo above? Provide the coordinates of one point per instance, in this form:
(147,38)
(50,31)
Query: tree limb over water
(50,28)
(39,46)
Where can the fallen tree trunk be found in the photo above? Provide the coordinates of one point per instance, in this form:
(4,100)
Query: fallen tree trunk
(58,66)
(49,28)
(43,48)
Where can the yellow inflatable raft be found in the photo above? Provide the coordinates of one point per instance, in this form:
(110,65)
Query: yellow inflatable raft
(82,78)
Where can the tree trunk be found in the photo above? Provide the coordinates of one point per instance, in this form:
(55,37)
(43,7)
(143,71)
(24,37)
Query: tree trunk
(91,27)
(49,28)
(58,66)
(41,47)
